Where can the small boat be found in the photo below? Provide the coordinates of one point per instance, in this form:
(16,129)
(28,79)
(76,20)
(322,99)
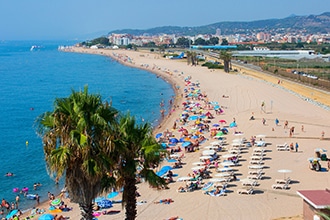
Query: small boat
(34,47)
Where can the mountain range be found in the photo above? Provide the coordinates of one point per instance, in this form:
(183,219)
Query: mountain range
(310,24)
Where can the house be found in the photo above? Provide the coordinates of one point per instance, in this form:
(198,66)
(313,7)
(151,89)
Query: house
(314,202)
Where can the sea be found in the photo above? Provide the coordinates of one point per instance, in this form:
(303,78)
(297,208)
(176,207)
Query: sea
(33,74)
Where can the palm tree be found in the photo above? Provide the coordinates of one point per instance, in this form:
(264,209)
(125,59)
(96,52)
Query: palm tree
(226,57)
(135,147)
(77,142)
(325,214)
(192,58)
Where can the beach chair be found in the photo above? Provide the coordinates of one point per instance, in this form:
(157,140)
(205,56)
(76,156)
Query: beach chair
(283,147)
(255,177)
(256,172)
(250,183)
(258,162)
(258,149)
(283,181)
(280,186)
(245,191)
(260,154)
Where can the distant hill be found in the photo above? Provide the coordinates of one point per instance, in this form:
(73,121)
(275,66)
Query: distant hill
(310,24)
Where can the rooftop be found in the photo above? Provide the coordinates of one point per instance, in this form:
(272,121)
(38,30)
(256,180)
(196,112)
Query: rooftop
(319,199)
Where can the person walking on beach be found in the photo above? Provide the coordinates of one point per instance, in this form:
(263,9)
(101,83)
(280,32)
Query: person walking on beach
(263,121)
(286,123)
(277,121)
(263,106)
(297,146)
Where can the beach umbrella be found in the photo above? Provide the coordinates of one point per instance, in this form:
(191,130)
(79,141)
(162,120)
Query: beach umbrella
(56,202)
(219,134)
(225,169)
(208,152)
(229,156)
(172,160)
(164,145)
(104,204)
(228,164)
(112,195)
(198,167)
(207,185)
(222,174)
(183,178)
(311,159)
(222,121)
(163,170)
(173,140)
(11,214)
(46,217)
(186,144)
(198,163)
(159,135)
(216,125)
(284,171)
(224,130)
(217,180)
(193,118)
(257,167)
(233,124)
(97,199)
(205,157)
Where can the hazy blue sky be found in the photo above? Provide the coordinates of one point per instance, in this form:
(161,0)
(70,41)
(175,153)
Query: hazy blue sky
(69,19)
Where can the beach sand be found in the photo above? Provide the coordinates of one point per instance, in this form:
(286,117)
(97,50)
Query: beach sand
(244,92)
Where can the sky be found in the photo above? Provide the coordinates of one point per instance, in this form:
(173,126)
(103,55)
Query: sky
(73,19)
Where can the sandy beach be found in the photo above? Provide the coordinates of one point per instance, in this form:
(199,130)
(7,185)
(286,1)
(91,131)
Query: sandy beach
(240,95)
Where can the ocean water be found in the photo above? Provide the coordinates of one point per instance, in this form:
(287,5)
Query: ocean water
(30,82)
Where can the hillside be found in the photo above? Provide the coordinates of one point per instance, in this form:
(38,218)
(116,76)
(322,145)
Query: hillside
(309,24)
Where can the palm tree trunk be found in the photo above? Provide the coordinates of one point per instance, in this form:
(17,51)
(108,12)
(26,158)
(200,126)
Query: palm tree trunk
(130,194)
(86,211)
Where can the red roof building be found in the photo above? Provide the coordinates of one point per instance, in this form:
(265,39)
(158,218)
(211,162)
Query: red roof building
(315,201)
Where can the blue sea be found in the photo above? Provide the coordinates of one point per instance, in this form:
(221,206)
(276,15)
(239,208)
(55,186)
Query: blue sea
(30,82)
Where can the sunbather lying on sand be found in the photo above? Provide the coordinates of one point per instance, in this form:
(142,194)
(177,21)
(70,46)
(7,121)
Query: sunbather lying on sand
(164,201)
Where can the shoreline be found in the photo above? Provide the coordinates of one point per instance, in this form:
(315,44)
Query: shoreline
(177,79)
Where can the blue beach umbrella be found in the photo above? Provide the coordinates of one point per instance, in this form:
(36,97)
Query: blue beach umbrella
(159,135)
(174,140)
(233,124)
(182,139)
(163,170)
(46,217)
(172,160)
(193,118)
(112,195)
(104,204)
(11,214)
(186,144)
(216,125)
(164,145)
(99,199)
